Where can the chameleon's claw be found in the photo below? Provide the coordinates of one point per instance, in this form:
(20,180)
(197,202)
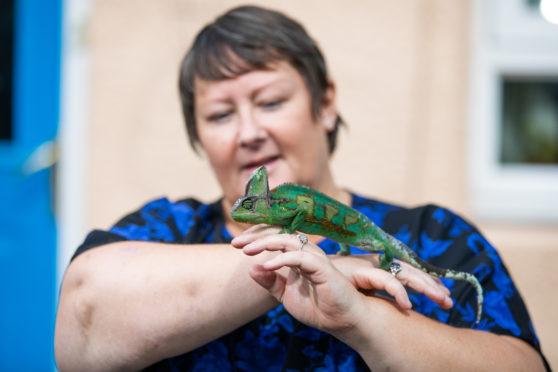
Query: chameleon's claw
(344,250)
(386,261)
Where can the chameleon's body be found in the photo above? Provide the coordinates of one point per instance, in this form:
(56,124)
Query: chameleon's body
(300,208)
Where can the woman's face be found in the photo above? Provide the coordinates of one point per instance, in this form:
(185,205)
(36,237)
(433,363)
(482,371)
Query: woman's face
(264,117)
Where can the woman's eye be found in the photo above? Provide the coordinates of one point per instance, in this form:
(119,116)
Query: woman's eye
(271,105)
(219,117)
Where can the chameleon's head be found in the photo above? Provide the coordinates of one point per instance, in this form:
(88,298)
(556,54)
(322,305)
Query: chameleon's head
(253,207)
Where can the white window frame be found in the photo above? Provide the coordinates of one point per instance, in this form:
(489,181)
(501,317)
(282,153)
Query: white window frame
(71,190)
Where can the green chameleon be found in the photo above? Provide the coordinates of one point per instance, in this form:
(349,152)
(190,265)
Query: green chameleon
(300,208)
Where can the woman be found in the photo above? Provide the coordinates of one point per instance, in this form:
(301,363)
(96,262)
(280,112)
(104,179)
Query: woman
(164,290)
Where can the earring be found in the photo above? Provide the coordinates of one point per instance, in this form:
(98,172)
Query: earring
(328,123)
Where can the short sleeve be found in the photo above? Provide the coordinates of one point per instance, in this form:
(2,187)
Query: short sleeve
(159,220)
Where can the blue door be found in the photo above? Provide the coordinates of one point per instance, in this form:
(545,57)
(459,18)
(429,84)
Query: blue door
(29,104)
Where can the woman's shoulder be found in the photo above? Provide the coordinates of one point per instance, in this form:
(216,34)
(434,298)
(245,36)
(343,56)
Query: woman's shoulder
(186,220)
(162,205)
(167,220)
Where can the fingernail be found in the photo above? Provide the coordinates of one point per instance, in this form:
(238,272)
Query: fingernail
(237,244)
(248,248)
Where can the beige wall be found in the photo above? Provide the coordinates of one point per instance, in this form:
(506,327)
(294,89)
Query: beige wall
(401,69)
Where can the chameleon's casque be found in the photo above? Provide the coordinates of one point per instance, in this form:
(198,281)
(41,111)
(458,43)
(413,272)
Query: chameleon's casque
(300,208)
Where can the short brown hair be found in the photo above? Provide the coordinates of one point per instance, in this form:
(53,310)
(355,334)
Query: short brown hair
(249,38)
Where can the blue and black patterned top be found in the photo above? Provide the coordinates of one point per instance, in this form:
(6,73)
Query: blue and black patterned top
(278,342)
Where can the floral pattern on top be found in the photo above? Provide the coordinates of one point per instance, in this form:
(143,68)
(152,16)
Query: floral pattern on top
(278,342)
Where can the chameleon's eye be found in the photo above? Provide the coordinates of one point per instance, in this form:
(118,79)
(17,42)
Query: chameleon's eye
(247,204)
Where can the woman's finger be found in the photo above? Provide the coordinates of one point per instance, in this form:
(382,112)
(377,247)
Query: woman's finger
(253,233)
(380,279)
(280,242)
(426,284)
(268,279)
(363,272)
(423,279)
(306,262)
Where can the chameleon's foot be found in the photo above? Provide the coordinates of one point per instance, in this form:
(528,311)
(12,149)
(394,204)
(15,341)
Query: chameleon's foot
(344,250)
(385,262)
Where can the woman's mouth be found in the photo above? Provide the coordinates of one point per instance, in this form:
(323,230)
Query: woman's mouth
(268,162)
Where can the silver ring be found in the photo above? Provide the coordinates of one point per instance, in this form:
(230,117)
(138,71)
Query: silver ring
(303,240)
(395,268)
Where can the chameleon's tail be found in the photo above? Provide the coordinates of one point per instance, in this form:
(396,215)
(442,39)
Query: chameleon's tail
(455,275)
(406,254)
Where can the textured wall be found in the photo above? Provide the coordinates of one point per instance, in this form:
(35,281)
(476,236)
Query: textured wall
(401,69)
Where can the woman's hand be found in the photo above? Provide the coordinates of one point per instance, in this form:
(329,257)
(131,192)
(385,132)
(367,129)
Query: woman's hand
(363,271)
(305,281)
(321,290)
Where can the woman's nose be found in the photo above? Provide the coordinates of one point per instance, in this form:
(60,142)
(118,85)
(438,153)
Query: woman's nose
(251,133)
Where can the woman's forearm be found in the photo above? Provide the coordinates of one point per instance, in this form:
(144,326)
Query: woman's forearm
(392,339)
(127,305)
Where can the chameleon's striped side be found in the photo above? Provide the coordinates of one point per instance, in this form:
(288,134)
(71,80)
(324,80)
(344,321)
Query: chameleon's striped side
(323,215)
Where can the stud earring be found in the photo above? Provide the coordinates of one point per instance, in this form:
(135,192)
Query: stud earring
(328,123)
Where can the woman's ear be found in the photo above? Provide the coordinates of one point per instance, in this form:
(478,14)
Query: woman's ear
(329,113)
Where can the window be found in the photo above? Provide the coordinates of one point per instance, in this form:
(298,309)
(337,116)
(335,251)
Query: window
(529,121)
(513,152)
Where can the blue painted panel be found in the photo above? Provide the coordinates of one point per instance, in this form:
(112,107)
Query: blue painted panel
(27,224)
(37,70)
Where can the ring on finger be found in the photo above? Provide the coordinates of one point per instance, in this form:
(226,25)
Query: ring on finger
(303,240)
(395,268)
